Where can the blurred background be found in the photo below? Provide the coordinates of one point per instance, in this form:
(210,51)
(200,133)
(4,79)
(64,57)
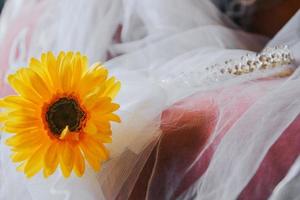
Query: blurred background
(1,4)
(260,16)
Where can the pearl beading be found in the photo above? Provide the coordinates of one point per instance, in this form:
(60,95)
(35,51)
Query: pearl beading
(269,62)
(269,58)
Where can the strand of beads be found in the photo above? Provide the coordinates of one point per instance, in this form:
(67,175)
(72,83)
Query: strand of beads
(278,58)
(268,58)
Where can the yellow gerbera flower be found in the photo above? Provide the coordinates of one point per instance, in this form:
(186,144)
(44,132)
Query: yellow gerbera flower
(61,116)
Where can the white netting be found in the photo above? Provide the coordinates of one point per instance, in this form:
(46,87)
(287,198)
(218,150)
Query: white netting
(215,136)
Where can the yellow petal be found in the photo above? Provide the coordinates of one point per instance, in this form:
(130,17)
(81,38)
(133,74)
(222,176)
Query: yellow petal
(94,77)
(96,147)
(102,136)
(108,89)
(3,117)
(107,109)
(79,67)
(38,84)
(21,167)
(100,149)
(66,159)
(19,139)
(79,163)
(18,130)
(95,97)
(27,92)
(106,117)
(23,119)
(93,160)
(27,114)
(105,138)
(21,156)
(113,117)
(16,102)
(22,124)
(35,162)
(51,160)
(21,143)
(112,88)
(41,69)
(52,68)
(103,127)
(36,65)
(90,128)
(65,72)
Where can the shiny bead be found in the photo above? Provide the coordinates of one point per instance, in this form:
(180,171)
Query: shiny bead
(262,58)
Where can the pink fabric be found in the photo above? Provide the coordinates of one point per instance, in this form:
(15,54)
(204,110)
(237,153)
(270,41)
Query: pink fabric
(275,165)
(187,126)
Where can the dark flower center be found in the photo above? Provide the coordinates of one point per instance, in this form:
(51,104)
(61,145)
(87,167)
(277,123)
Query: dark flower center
(64,112)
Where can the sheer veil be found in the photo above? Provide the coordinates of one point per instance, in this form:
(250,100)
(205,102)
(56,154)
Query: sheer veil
(160,51)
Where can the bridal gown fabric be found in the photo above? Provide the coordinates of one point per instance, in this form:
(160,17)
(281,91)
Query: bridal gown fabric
(184,134)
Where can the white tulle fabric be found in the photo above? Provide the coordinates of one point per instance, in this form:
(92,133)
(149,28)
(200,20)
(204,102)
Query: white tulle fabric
(163,43)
